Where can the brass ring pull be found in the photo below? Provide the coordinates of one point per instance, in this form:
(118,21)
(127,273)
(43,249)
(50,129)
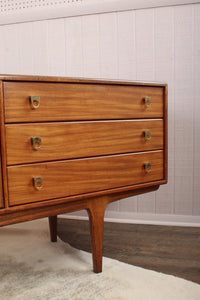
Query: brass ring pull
(147,135)
(147,102)
(35,102)
(36,142)
(38,182)
(147,167)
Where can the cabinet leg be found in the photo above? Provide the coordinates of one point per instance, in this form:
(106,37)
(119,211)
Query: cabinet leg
(53,228)
(96,217)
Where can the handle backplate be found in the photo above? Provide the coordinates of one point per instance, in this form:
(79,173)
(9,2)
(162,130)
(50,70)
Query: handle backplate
(147,102)
(147,167)
(38,182)
(36,142)
(147,135)
(35,101)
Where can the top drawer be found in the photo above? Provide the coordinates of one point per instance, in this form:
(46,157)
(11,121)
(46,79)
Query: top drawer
(80,101)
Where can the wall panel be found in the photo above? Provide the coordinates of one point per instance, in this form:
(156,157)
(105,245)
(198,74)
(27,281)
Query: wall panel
(184,108)
(56,47)
(108,45)
(73,46)
(39,39)
(24,33)
(126,45)
(91,46)
(10,49)
(196,158)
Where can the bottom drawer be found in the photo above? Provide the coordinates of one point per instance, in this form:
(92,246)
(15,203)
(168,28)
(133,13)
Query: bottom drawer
(43,181)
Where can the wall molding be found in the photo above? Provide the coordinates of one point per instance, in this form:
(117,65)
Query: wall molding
(49,9)
(137,218)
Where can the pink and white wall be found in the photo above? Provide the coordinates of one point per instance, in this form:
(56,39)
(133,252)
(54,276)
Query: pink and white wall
(141,42)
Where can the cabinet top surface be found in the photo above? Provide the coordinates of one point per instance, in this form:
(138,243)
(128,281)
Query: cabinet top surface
(76,80)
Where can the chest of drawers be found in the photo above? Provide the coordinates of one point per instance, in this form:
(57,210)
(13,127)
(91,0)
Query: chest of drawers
(69,144)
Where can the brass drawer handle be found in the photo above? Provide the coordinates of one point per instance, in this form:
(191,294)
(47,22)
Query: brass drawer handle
(147,102)
(147,167)
(147,135)
(36,142)
(35,102)
(38,182)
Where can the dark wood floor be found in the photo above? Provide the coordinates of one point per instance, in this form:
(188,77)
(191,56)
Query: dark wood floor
(167,249)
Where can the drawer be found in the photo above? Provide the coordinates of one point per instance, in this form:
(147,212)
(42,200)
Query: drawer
(36,142)
(80,176)
(80,101)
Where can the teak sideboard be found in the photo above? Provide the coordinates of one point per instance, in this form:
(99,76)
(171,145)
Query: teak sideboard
(69,144)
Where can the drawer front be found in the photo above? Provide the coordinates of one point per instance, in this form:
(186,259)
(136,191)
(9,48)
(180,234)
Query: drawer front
(28,143)
(74,177)
(74,101)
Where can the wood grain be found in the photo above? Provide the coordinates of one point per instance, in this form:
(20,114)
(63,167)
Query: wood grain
(70,79)
(79,102)
(73,177)
(83,139)
(1,190)
(96,213)
(53,228)
(3,157)
(1,113)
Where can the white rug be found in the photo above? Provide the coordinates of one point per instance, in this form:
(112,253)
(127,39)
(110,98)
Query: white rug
(33,268)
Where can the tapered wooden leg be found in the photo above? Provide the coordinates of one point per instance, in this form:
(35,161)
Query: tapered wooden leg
(96,217)
(53,228)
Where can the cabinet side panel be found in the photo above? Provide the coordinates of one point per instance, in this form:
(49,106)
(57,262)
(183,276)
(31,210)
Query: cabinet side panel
(1,190)
(1,111)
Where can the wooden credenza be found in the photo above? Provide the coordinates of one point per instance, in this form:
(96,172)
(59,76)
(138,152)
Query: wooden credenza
(69,144)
